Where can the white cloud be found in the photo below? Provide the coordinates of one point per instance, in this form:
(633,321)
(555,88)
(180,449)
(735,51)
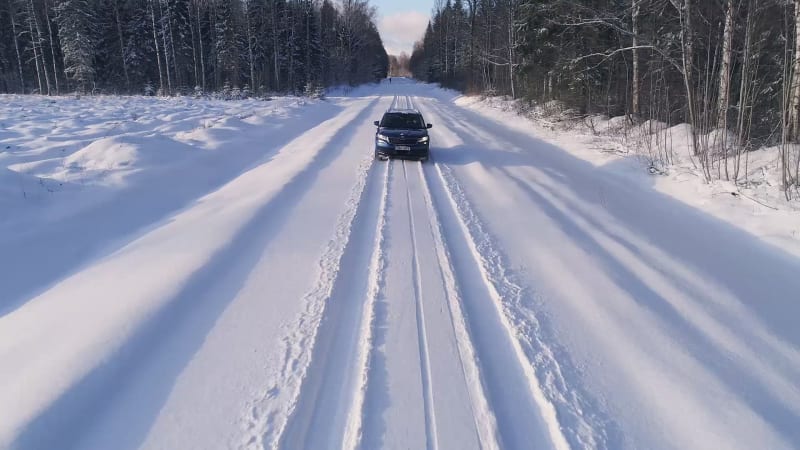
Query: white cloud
(400,30)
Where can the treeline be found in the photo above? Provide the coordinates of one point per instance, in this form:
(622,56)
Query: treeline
(730,65)
(172,47)
(399,65)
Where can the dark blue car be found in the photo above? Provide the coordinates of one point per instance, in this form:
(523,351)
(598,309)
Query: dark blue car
(402,134)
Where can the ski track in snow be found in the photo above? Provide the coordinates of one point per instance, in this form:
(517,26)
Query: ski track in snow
(498,296)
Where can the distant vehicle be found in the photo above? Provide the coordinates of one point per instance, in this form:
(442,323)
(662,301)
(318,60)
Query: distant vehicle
(402,133)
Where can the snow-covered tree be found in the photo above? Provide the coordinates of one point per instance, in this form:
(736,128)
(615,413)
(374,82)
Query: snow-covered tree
(181,45)
(75,19)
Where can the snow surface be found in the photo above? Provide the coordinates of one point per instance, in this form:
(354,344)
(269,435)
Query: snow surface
(756,203)
(201,274)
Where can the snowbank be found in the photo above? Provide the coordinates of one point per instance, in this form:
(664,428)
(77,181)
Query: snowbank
(61,155)
(756,202)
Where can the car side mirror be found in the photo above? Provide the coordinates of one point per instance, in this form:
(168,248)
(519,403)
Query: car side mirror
(377,123)
(430,125)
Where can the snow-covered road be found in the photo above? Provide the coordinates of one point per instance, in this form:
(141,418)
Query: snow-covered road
(284,290)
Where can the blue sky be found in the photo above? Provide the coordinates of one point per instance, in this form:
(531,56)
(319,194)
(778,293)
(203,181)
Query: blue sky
(401,22)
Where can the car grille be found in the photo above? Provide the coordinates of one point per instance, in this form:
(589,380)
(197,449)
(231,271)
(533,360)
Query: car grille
(403,140)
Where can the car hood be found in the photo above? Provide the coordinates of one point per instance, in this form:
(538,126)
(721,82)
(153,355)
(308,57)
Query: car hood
(393,132)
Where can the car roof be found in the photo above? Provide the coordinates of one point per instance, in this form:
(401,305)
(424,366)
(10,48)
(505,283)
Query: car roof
(404,111)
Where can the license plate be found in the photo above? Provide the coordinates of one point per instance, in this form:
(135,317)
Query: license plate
(402,148)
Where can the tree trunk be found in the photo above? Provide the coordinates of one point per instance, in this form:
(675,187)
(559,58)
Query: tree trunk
(725,68)
(308,12)
(723,98)
(16,48)
(687,46)
(121,45)
(250,58)
(635,94)
(276,49)
(202,50)
(52,45)
(794,123)
(166,50)
(31,18)
(794,111)
(446,46)
(473,4)
(290,46)
(511,42)
(195,59)
(178,80)
(215,58)
(155,40)
(745,91)
(39,40)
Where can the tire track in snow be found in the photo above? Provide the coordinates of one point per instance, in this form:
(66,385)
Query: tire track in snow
(420,396)
(485,421)
(148,307)
(580,417)
(374,365)
(267,415)
(331,390)
(422,338)
(624,264)
(354,429)
(402,102)
(519,424)
(487,265)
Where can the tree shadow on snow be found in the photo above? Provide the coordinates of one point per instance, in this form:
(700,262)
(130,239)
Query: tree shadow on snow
(118,402)
(762,278)
(35,261)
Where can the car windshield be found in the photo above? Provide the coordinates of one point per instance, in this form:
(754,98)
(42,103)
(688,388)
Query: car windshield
(402,120)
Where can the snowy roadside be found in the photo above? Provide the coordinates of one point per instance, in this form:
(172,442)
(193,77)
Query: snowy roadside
(62,155)
(758,207)
(84,175)
(263,282)
(72,287)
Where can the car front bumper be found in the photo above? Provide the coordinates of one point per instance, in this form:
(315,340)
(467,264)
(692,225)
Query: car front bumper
(417,151)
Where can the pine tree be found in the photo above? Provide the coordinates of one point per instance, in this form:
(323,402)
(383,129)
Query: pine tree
(75,19)
(127,45)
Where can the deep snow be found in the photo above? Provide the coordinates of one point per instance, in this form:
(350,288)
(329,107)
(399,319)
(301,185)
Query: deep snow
(201,274)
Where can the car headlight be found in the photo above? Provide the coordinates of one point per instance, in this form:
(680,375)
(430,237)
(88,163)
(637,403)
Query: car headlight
(423,140)
(383,138)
